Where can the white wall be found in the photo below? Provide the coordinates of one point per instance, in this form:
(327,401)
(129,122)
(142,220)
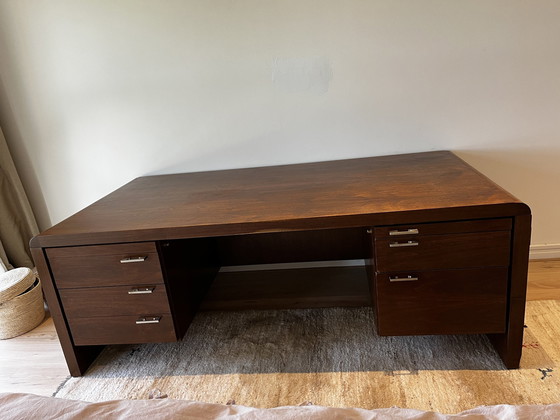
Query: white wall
(95,93)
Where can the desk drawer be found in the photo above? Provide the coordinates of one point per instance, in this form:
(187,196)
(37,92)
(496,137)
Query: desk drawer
(442,302)
(114,301)
(122,330)
(105,265)
(442,228)
(427,252)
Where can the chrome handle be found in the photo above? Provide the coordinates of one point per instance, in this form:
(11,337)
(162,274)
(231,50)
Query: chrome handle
(148,320)
(403,232)
(407,278)
(133,260)
(141,290)
(401,244)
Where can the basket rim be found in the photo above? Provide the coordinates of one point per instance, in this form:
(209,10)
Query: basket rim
(14,282)
(22,313)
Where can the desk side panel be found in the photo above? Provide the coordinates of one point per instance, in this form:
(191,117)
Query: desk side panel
(189,268)
(510,344)
(78,358)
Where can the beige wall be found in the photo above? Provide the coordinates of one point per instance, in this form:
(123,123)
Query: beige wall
(95,93)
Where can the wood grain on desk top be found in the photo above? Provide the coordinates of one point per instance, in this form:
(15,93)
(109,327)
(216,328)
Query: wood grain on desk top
(310,195)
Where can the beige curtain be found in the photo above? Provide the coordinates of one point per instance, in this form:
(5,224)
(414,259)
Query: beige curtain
(17,222)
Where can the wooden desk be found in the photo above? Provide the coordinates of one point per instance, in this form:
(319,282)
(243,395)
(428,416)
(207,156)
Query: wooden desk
(446,251)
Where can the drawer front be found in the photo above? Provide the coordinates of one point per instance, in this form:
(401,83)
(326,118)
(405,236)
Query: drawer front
(114,301)
(442,302)
(105,265)
(427,252)
(121,330)
(443,228)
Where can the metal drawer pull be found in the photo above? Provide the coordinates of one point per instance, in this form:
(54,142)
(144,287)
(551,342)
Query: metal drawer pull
(133,260)
(148,320)
(407,278)
(141,290)
(403,232)
(401,244)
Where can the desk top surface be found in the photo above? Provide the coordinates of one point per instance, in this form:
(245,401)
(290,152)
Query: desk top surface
(428,186)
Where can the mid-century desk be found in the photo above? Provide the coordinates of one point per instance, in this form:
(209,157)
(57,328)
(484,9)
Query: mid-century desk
(446,251)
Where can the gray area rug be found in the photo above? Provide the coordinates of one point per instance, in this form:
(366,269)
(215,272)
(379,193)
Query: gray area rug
(293,341)
(329,357)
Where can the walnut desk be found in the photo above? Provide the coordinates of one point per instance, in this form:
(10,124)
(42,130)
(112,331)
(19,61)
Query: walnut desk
(446,251)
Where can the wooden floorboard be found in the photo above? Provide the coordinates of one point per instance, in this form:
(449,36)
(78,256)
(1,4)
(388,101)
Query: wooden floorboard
(544,280)
(34,363)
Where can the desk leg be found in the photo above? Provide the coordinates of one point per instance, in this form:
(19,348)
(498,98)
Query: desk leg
(78,358)
(509,344)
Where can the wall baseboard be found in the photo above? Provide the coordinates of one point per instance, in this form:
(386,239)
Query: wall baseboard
(544,251)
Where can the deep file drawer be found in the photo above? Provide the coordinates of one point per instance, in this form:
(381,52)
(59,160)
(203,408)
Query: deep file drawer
(105,265)
(128,329)
(114,301)
(442,302)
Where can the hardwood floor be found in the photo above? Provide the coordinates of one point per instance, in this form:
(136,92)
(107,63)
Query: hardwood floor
(544,280)
(34,362)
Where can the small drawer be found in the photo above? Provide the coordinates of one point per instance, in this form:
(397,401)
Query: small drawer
(427,252)
(442,302)
(443,228)
(105,265)
(114,301)
(130,329)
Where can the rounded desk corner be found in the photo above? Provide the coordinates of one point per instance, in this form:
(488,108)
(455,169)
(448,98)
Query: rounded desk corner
(523,209)
(35,242)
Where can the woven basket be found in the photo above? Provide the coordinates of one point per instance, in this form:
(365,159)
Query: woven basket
(23,312)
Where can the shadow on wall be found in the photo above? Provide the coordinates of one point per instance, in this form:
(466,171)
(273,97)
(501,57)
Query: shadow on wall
(253,152)
(278,148)
(22,160)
